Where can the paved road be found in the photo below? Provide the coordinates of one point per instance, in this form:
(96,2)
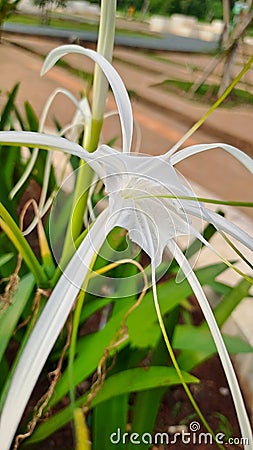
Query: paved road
(167,42)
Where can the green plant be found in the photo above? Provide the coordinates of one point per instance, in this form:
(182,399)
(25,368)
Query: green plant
(134,333)
(7,8)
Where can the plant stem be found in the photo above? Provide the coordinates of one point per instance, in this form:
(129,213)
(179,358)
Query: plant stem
(175,364)
(93,130)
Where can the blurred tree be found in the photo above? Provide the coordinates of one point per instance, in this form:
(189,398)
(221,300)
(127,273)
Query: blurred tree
(215,10)
(165,6)
(7,7)
(226,22)
(197,8)
(242,18)
(47,6)
(236,22)
(202,9)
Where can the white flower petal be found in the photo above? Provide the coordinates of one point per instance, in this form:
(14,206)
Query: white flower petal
(43,117)
(194,149)
(50,142)
(222,224)
(47,330)
(117,85)
(41,140)
(80,120)
(224,356)
(135,184)
(25,174)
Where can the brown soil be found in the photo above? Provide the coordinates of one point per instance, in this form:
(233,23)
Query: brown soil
(212,396)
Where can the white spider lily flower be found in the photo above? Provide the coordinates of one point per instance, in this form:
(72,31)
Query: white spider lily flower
(149,199)
(133,184)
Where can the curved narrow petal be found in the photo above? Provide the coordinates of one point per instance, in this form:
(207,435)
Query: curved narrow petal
(25,174)
(44,114)
(51,99)
(47,330)
(115,81)
(244,159)
(82,112)
(222,224)
(223,353)
(50,142)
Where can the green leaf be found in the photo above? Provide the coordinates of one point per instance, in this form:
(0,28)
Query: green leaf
(145,410)
(31,117)
(147,403)
(6,258)
(19,118)
(190,337)
(90,350)
(11,315)
(13,232)
(231,300)
(118,417)
(139,379)
(132,380)
(5,115)
(22,346)
(11,170)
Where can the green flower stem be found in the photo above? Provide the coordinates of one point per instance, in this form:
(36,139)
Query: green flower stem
(177,368)
(15,235)
(93,130)
(83,182)
(72,348)
(74,336)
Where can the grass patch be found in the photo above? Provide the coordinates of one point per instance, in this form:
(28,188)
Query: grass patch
(54,23)
(73,25)
(207,93)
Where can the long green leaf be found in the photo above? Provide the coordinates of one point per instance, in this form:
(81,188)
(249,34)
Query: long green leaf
(31,117)
(5,116)
(146,403)
(190,337)
(231,301)
(11,315)
(132,380)
(117,418)
(90,350)
(23,343)
(142,326)
(6,258)
(21,244)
